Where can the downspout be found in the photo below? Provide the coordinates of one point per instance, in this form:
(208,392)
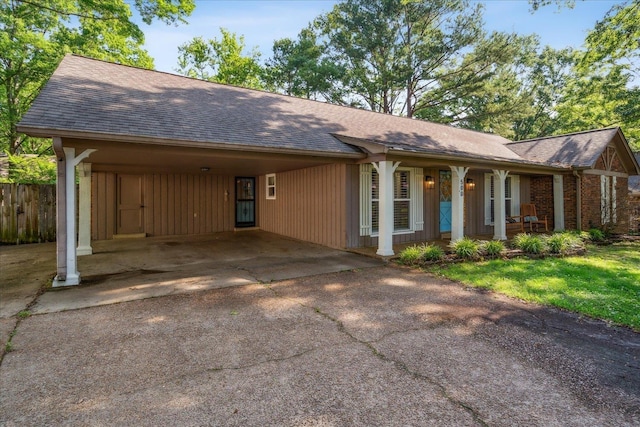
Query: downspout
(61,210)
(578,199)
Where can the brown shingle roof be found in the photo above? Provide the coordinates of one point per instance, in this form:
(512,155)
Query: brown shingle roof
(580,149)
(101,98)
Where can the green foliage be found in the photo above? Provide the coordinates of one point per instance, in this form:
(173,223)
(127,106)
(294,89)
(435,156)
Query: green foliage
(36,35)
(529,243)
(410,255)
(466,248)
(604,284)
(31,170)
(596,235)
(300,68)
(432,252)
(222,61)
(493,247)
(563,243)
(24,314)
(396,52)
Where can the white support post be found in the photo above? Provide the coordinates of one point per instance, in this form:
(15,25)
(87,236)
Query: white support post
(72,277)
(457,202)
(499,208)
(84,215)
(385,170)
(558,203)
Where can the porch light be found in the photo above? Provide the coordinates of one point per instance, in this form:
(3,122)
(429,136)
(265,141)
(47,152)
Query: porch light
(470,184)
(429,181)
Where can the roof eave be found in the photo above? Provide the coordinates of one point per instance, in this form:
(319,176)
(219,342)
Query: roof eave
(158,141)
(500,162)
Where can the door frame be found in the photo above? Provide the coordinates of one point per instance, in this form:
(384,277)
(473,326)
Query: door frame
(237,199)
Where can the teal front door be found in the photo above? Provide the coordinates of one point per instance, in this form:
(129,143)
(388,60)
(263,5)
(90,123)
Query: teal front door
(245,202)
(445,201)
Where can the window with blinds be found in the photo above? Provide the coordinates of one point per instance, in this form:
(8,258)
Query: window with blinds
(401,200)
(511,197)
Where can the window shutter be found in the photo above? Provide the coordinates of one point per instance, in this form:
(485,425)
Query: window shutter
(604,200)
(488,182)
(417,199)
(365,199)
(614,213)
(515,195)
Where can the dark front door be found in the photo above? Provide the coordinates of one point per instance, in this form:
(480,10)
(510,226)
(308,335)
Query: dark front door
(245,202)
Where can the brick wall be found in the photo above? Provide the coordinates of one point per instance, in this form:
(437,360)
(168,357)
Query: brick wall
(570,205)
(542,197)
(590,201)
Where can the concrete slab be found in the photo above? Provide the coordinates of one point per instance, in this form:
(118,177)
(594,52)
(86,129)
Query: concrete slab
(132,269)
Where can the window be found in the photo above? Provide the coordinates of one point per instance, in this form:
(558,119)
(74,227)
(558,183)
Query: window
(271,186)
(407,200)
(608,208)
(401,200)
(511,197)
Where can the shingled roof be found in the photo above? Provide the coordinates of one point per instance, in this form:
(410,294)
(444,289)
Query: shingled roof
(96,99)
(580,149)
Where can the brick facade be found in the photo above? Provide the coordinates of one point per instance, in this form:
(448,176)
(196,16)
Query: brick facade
(570,205)
(542,197)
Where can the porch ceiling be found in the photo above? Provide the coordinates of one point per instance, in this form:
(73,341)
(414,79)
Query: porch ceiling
(138,158)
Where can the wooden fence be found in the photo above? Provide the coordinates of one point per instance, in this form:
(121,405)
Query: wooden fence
(27,213)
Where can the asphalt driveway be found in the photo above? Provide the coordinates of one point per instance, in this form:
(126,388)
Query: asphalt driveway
(371,346)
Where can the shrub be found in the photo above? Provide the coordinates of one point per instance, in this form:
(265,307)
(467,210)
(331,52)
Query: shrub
(529,244)
(410,255)
(465,248)
(493,247)
(29,169)
(558,243)
(596,235)
(432,253)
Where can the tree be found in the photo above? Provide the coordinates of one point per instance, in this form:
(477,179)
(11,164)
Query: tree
(300,68)
(34,35)
(221,61)
(605,91)
(411,57)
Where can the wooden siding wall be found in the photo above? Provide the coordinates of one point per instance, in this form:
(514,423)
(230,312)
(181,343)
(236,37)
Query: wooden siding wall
(310,205)
(175,204)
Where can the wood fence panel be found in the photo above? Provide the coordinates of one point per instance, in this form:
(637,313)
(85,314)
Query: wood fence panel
(27,213)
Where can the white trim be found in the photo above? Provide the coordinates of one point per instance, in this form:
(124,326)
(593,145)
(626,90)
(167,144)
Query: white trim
(614,207)
(270,186)
(417,199)
(365,199)
(457,201)
(84,210)
(558,203)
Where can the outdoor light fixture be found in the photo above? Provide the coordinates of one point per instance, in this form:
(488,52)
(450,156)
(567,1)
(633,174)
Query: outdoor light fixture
(205,169)
(470,184)
(429,180)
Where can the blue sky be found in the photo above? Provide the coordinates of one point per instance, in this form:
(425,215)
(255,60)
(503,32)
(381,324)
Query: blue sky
(263,21)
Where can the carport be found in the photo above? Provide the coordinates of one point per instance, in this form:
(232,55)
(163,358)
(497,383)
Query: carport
(137,268)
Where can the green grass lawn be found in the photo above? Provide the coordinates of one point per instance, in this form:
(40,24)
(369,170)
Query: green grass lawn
(605,283)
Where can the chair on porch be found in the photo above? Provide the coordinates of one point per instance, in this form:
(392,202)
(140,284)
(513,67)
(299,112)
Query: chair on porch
(514,223)
(530,217)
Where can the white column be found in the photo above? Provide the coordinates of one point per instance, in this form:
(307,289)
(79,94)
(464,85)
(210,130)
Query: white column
(457,202)
(385,170)
(499,208)
(84,206)
(73,277)
(558,203)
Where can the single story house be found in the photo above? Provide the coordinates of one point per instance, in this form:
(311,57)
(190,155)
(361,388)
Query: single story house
(160,154)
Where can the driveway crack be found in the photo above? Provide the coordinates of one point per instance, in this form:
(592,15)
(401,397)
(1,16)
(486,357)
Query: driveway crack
(398,364)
